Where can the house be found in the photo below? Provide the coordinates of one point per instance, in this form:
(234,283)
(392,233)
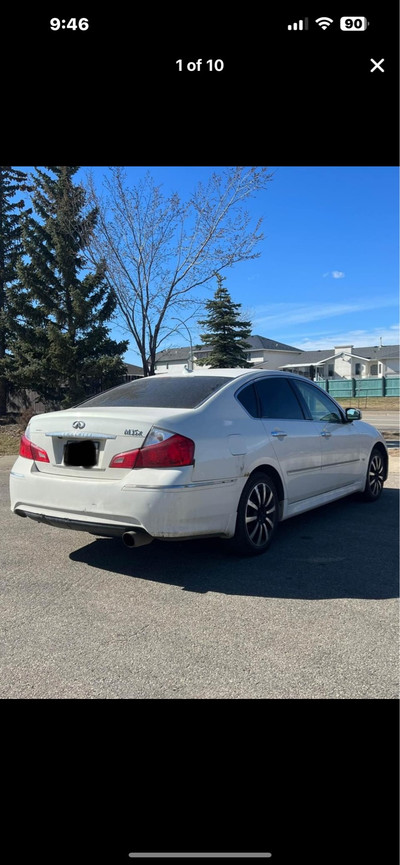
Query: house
(132,372)
(174,359)
(269,352)
(346,362)
(340,362)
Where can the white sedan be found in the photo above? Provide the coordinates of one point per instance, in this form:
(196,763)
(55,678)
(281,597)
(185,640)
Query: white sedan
(227,452)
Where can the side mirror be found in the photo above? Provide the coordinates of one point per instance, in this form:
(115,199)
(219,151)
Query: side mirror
(353,414)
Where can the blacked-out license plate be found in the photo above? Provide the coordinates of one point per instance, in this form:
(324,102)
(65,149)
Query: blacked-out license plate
(80,453)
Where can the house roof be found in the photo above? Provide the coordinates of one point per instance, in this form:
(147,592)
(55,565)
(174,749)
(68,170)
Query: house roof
(170,354)
(301,358)
(307,358)
(254,341)
(131,369)
(377,351)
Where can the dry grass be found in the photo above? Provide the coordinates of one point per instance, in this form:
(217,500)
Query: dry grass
(11,428)
(9,439)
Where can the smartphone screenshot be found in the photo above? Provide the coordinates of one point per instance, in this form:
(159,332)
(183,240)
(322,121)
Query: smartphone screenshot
(177,704)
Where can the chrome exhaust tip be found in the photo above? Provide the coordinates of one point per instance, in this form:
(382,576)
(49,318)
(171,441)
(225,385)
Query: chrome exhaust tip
(136,539)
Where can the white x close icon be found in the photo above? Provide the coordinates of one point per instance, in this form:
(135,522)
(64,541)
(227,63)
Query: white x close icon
(377,65)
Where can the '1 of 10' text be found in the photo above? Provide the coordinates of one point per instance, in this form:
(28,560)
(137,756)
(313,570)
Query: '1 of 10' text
(195,65)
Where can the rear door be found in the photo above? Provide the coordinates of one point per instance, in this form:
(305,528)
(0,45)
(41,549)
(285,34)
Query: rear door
(294,438)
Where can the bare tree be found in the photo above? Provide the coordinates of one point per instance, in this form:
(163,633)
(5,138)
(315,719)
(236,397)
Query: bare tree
(158,250)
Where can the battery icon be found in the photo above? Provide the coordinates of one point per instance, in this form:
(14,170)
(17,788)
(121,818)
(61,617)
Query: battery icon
(350,24)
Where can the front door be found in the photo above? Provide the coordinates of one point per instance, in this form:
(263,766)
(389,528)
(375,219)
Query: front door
(340,443)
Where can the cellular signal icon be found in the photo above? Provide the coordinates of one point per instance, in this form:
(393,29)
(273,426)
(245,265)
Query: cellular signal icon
(299,25)
(324,23)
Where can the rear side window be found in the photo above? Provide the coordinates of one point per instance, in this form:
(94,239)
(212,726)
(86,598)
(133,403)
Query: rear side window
(277,399)
(248,398)
(159,392)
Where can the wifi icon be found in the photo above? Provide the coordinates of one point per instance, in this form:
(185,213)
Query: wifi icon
(324,22)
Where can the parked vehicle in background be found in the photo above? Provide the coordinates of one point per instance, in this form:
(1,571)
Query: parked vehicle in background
(223,452)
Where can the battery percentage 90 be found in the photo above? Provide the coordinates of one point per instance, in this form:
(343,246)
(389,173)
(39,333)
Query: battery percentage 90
(352,24)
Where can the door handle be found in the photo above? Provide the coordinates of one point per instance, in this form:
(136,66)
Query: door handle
(278,433)
(326,434)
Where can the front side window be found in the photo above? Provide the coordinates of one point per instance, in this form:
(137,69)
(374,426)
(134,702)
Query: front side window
(277,399)
(319,405)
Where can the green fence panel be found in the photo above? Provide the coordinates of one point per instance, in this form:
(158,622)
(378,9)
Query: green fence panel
(392,386)
(369,387)
(363,387)
(341,387)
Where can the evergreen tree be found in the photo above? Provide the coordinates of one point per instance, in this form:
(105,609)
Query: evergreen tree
(62,348)
(12,182)
(226,333)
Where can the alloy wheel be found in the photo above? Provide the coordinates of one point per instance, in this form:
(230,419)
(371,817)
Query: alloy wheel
(260,514)
(376,474)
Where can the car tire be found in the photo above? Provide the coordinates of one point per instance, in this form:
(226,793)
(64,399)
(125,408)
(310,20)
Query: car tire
(375,476)
(257,516)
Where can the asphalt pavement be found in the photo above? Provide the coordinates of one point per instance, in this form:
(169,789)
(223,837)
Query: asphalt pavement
(382,420)
(315,617)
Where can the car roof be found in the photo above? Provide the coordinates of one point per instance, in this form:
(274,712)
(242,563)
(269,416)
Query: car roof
(230,372)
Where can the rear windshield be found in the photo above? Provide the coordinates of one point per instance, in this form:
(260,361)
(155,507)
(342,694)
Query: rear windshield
(159,392)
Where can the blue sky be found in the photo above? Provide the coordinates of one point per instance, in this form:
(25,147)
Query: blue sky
(328,268)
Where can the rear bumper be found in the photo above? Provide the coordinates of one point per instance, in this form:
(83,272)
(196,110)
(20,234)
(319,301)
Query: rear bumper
(176,508)
(101,529)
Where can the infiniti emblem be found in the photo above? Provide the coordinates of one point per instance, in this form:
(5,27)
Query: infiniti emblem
(78,424)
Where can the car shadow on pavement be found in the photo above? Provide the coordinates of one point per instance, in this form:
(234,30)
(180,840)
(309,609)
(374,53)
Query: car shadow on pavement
(345,549)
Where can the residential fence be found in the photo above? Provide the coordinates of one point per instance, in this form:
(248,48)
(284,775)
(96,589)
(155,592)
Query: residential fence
(373,386)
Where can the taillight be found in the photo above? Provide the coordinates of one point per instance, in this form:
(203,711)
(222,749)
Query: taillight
(32,452)
(160,450)
(125,460)
(176,450)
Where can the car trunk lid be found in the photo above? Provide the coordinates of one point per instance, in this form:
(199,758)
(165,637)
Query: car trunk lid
(82,443)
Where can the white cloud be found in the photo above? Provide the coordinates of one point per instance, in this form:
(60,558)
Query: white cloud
(337,274)
(281,315)
(390,336)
